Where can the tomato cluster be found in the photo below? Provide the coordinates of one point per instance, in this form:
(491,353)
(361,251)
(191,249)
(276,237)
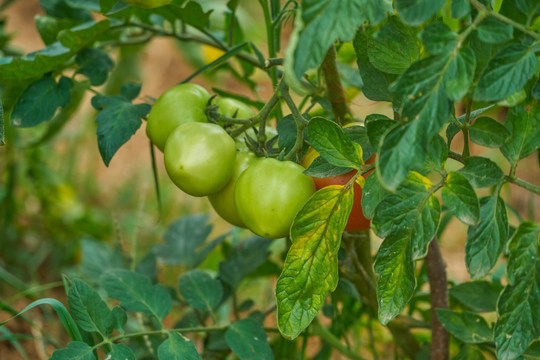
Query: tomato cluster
(261,194)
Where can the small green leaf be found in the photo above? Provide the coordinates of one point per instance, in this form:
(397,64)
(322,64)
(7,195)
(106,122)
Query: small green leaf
(466,326)
(89,310)
(376,126)
(120,352)
(528,7)
(460,198)
(460,8)
(130,90)
(49,27)
(415,12)
(460,74)
(311,268)
(469,352)
(493,31)
(438,38)
(59,9)
(488,132)
(247,340)
(137,293)
(479,296)
(486,240)
(75,350)
(320,168)
(372,194)
(177,347)
(119,318)
(506,72)
(481,172)
(94,64)
(524,129)
(200,290)
(437,153)
(98,258)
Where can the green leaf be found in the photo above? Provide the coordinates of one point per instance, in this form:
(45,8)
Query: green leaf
(488,132)
(486,240)
(311,268)
(89,310)
(358,134)
(247,340)
(466,326)
(460,8)
(532,352)
(376,126)
(117,121)
(394,48)
(506,72)
(320,168)
(184,241)
(469,352)
(119,318)
(137,293)
(479,296)
(438,38)
(437,153)
(452,129)
(372,194)
(91,5)
(524,129)
(329,140)
(75,350)
(492,31)
(98,258)
(94,64)
(177,347)
(130,90)
(518,316)
(120,352)
(1,123)
(39,102)
(460,73)
(200,290)
(460,198)
(60,9)
(528,7)
(49,27)
(243,259)
(415,12)
(481,172)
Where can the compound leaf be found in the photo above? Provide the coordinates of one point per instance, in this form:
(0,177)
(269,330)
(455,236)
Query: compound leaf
(89,310)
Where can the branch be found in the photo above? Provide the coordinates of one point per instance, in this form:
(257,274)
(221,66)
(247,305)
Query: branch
(516,181)
(334,89)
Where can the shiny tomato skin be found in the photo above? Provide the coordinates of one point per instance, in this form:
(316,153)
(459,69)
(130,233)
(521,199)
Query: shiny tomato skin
(223,200)
(147,4)
(181,104)
(269,194)
(199,158)
(229,107)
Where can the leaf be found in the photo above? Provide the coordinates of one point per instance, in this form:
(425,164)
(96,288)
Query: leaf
(117,121)
(506,72)
(320,168)
(137,293)
(39,102)
(358,134)
(486,240)
(286,128)
(200,290)
(91,5)
(376,126)
(130,90)
(119,318)
(75,350)
(460,73)
(488,132)
(94,64)
(469,352)
(492,31)
(247,340)
(528,6)
(518,317)
(479,296)
(329,140)
(184,241)
(466,326)
(372,194)
(98,258)
(460,8)
(1,123)
(437,153)
(524,129)
(481,172)
(533,351)
(415,12)
(311,268)
(438,38)
(120,352)
(89,310)
(243,259)
(49,27)
(177,347)
(60,9)
(460,198)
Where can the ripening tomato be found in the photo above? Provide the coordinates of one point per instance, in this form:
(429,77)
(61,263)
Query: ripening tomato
(223,200)
(199,158)
(269,194)
(229,107)
(147,4)
(357,221)
(176,106)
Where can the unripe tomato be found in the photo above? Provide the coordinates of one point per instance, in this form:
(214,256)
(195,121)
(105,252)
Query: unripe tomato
(199,158)
(147,4)
(176,106)
(357,221)
(269,194)
(229,107)
(223,200)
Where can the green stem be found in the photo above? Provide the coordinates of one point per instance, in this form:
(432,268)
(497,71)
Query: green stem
(301,123)
(334,89)
(465,128)
(524,184)
(331,339)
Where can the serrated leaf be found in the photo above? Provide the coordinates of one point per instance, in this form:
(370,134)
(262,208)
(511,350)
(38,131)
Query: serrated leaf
(177,347)
(506,72)
(372,194)
(243,259)
(479,296)
(460,198)
(137,293)
(329,140)
(184,241)
(466,326)
(39,102)
(415,12)
(460,73)
(488,132)
(493,31)
(481,171)
(311,268)
(524,129)
(94,64)
(120,352)
(75,350)
(518,316)
(98,258)
(376,126)
(486,240)
(247,340)
(89,310)
(438,38)
(200,290)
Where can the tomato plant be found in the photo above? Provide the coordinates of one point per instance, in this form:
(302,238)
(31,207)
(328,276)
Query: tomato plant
(147,4)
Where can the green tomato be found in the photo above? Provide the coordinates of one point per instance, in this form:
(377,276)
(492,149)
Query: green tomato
(269,194)
(199,158)
(181,104)
(229,107)
(223,200)
(270,132)
(147,4)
